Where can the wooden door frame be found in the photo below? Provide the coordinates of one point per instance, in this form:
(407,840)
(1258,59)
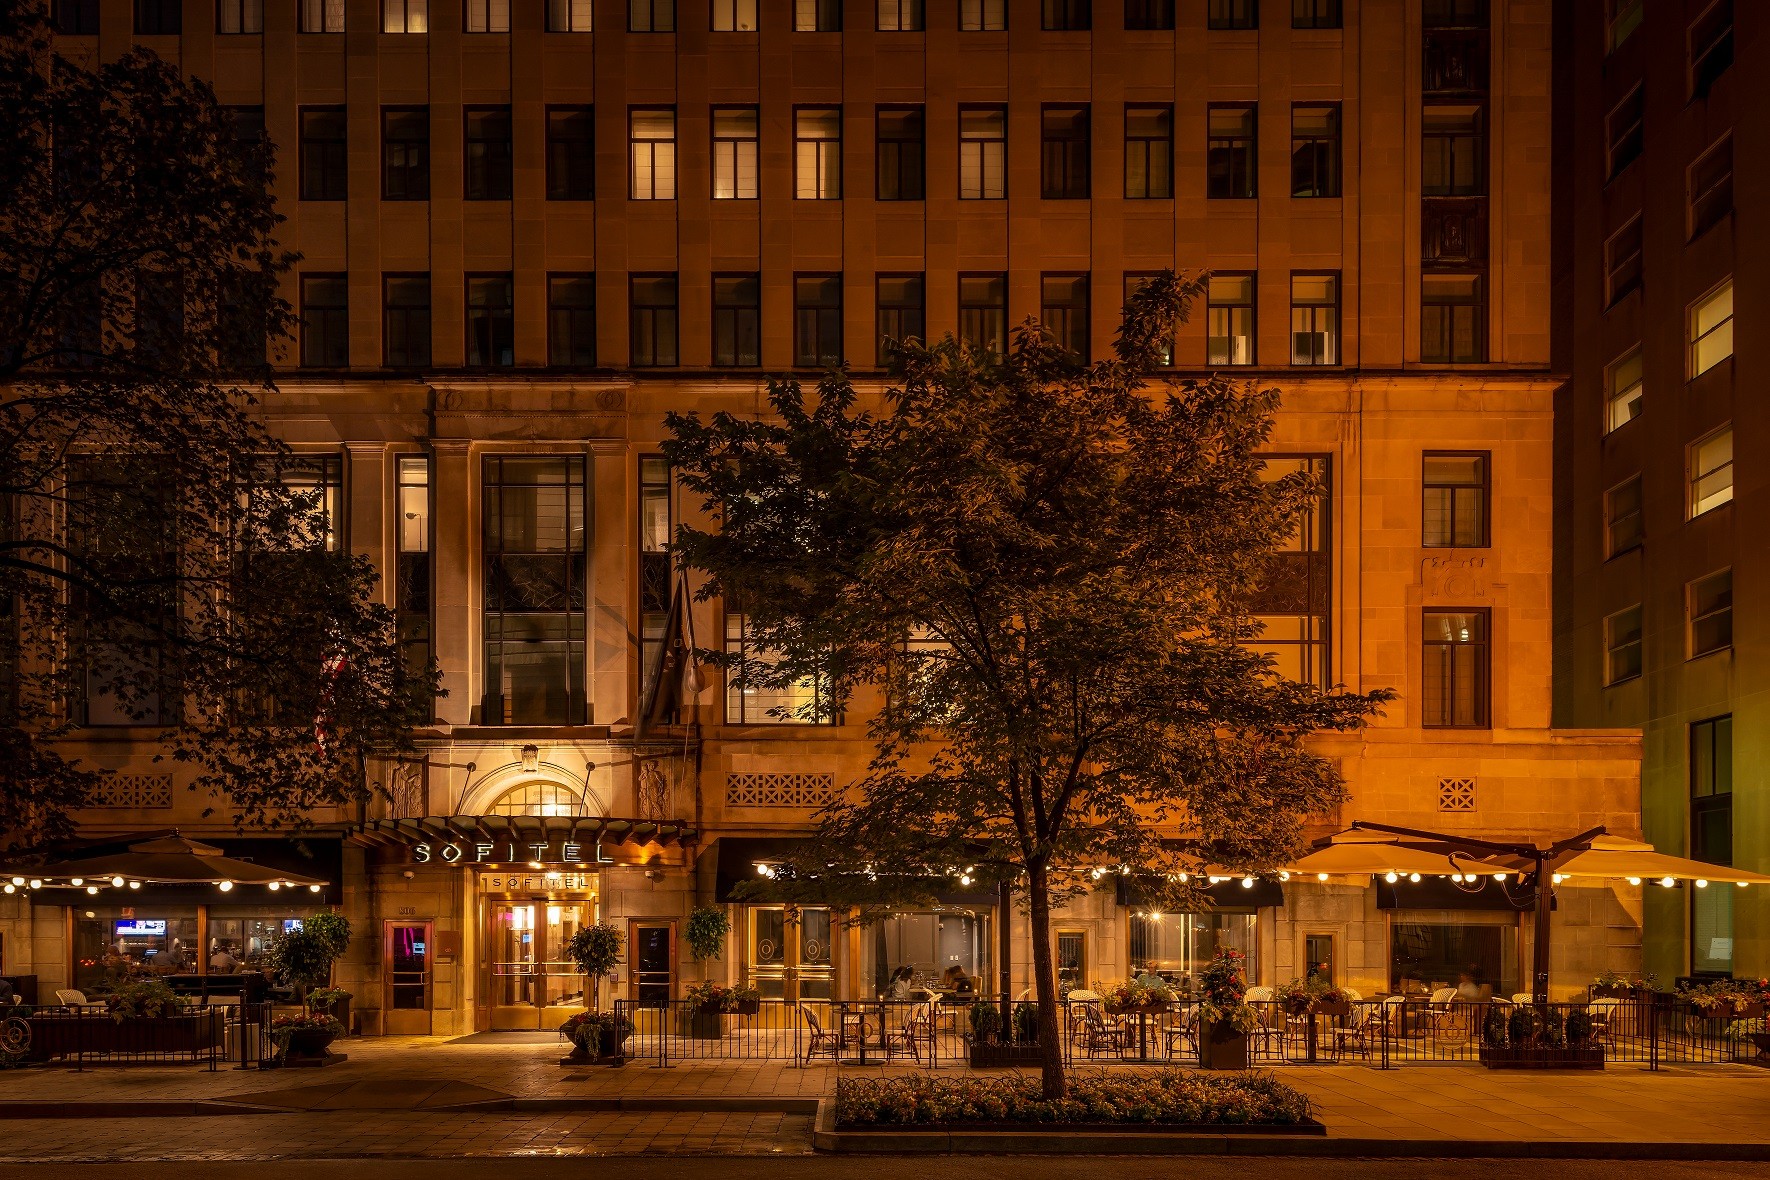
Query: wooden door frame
(633,927)
(387,1008)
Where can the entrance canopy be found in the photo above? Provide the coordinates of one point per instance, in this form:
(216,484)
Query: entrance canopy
(498,839)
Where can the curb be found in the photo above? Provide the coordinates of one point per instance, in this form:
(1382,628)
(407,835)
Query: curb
(211,1107)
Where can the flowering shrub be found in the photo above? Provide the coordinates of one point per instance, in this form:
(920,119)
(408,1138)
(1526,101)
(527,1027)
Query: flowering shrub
(1723,995)
(144,997)
(1223,990)
(1299,996)
(597,1032)
(283,1028)
(1132,994)
(1169,1096)
(1615,979)
(720,996)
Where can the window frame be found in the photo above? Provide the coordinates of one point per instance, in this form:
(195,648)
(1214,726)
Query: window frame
(1332,356)
(1149,16)
(1713,203)
(411,12)
(1321,14)
(573,177)
(334,171)
(1483,668)
(1478,303)
(421,191)
(909,16)
(983,153)
(735,15)
(1633,397)
(1638,531)
(1251,306)
(1065,155)
(1694,620)
(1624,131)
(1695,477)
(660,16)
(738,154)
(1157,183)
(997,311)
(1623,261)
(337,334)
(562,16)
(655,149)
(492,170)
(1705,63)
(1078,340)
(822,316)
(573,314)
(1066,16)
(919,310)
(734,313)
(825,151)
(1613,646)
(1485,499)
(498,321)
(489,11)
(244,12)
(419,280)
(983,22)
(1694,340)
(897,142)
(1228,157)
(1232,15)
(1319,188)
(660,315)
(817,16)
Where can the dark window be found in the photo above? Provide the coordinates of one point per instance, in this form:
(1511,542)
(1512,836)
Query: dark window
(983,312)
(1711,790)
(1149,14)
(405,153)
(900,153)
(817,16)
(487,166)
(405,321)
(1451,150)
(900,16)
(569,16)
(1149,152)
(571,153)
(1315,14)
(1292,601)
(157,331)
(239,16)
(982,16)
(1622,645)
(1453,322)
(1064,154)
(653,320)
(1623,18)
(817,320)
(571,320)
(1315,151)
(159,18)
(491,322)
(1315,319)
(737,320)
(412,602)
(325,322)
(1230,164)
(983,153)
(1455,14)
(1622,131)
(1709,605)
(1068,14)
(651,16)
(1229,320)
(76,18)
(656,529)
(323,156)
(1622,261)
(1063,309)
(249,139)
(1711,46)
(1232,14)
(899,306)
(1455,668)
(1623,528)
(736,149)
(1711,186)
(1135,283)
(534,542)
(1456,496)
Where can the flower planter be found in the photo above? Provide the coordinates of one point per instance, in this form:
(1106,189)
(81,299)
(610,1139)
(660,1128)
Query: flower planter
(748,1007)
(707,1023)
(1543,1057)
(1332,1008)
(310,1047)
(989,1055)
(1728,1011)
(608,1051)
(1222,1048)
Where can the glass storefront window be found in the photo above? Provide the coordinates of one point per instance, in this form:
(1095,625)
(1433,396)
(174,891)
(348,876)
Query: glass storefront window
(240,936)
(1176,946)
(1427,956)
(113,942)
(929,944)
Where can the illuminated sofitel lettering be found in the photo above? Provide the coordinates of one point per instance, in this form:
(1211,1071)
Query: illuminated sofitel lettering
(568,853)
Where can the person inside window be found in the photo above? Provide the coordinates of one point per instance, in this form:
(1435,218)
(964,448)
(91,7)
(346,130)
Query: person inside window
(903,986)
(222,962)
(956,981)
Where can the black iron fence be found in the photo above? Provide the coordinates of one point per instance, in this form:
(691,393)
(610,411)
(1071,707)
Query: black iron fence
(212,1034)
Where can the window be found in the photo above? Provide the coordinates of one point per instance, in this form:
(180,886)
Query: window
(1451,148)
(1622,645)
(322,154)
(898,304)
(653,318)
(1229,153)
(1233,14)
(1133,284)
(1711,186)
(651,16)
(1149,152)
(487,165)
(900,16)
(488,16)
(1711,329)
(1455,14)
(1292,603)
(817,321)
(571,320)
(983,313)
(1711,471)
(325,322)
(737,320)
(1315,14)
(569,16)
(983,153)
(1453,324)
(118,518)
(405,153)
(653,140)
(1060,15)
(1624,18)
(249,138)
(817,153)
(491,322)
(1456,669)
(899,165)
(1622,261)
(1456,497)
(749,702)
(1623,130)
(571,154)
(817,16)
(982,16)
(1315,151)
(159,18)
(1623,527)
(735,151)
(1063,309)
(405,16)
(1711,47)
(656,528)
(239,16)
(734,16)
(1229,316)
(1149,14)
(1711,841)
(1178,946)
(76,18)
(1064,153)
(1622,391)
(405,321)
(412,571)
(534,543)
(1315,319)
(1709,604)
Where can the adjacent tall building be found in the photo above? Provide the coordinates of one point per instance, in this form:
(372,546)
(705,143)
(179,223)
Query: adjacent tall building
(1664,273)
(529,231)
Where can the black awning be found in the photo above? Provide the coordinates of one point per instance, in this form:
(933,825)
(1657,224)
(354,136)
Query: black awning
(1439,893)
(1224,895)
(738,856)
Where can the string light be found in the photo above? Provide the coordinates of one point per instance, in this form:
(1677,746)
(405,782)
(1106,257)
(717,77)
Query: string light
(11,888)
(1701,884)
(313,888)
(1500,877)
(274,886)
(92,889)
(1321,876)
(135,884)
(18,880)
(1391,876)
(1557,879)
(1414,877)
(1667,882)
(1247,882)
(36,884)
(117,882)
(77,882)
(1634,880)
(224,886)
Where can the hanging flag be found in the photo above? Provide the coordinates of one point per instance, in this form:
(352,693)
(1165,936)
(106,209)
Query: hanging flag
(676,683)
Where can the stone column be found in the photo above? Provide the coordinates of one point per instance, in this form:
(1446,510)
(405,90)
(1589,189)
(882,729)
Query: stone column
(453,597)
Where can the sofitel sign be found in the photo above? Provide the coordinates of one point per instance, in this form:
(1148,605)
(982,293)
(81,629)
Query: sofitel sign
(499,853)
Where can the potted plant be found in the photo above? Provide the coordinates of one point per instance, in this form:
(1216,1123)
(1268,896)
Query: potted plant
(1136,996)
(1524,1038)
(710,1002)
(303,957)
(596,1037)
(596,950)
(1724,999)
(706,931)
(993,1044)
(1225,1018)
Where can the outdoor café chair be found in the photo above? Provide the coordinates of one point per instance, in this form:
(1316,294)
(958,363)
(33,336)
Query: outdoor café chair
(822,1040)
(1600,1012)
(1439,1015)
(904,1039)
(1356,1037)
(1184,1032)
(1266,1039)
(1099,1035)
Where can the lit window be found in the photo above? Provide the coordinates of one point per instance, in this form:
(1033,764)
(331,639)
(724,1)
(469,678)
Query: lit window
(405,16)
(900,16)
(488,16)
(817,16)
(1315,319)
(1456,669)
(734,16)
(539,799)
(651,16)
(735,149)
(1711,329)
(1711,471)
(982,16)
(1622,391)
(1455,501)
(983,153)
(653,142)
(1063,309)
(569,16)
(1229,314)
(817,154)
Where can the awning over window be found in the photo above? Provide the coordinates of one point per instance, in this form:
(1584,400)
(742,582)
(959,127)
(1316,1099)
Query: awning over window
(1225,895)
(738,856)
(1438,893)
(521,831)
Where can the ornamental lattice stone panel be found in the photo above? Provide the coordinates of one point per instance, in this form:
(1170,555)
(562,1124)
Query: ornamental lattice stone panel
(1456,794)
(135,791)
(779,790)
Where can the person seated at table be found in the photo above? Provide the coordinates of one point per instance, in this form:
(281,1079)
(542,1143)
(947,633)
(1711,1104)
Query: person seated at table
(222,962)
(1470,985)
(903,984)
(956,981)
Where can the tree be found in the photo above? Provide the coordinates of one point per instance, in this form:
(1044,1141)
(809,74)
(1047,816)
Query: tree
(1045,568)
(164,561)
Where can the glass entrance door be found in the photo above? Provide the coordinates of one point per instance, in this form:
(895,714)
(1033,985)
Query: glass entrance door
(407,953)
(533,983)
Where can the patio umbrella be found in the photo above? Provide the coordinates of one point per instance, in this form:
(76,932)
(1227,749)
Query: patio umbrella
(1356,853)
(1617,856)
(168,860)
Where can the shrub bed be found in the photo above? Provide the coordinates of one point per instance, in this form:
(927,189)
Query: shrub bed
(1168,1096)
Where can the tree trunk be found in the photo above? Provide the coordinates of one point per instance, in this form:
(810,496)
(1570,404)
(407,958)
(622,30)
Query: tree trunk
(1038,891)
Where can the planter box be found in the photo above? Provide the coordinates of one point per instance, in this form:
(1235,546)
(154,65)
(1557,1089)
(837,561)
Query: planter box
(1333,1008)
(1222,1048)
(1307,1127)
(987,1056)
(706,1024)
(54,1036)
(748,1007)
(1543,1057)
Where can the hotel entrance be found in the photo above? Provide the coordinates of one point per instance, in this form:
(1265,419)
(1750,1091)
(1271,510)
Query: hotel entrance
(527,980)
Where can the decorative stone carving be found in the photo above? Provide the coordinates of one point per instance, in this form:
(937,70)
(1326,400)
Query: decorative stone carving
(779,790)
(1456,794)
(1455,577)
(134,791)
